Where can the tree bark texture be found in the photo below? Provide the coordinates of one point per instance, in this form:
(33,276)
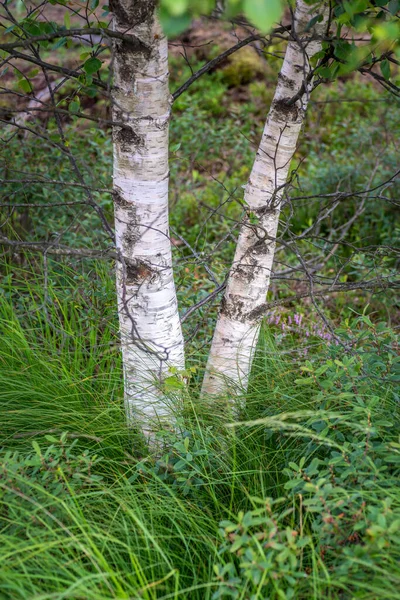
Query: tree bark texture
(150,329)
(236,332)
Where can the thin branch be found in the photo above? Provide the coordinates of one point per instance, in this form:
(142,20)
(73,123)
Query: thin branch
(374,285)
(55,68)
(48,248)
(47,37)
(56,182)
(215,61)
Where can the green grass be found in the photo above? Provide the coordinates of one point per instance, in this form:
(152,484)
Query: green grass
(91,515)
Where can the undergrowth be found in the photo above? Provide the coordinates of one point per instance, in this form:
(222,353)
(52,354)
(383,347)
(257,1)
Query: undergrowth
(296,499)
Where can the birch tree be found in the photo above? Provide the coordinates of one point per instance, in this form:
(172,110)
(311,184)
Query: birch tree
(238,325)
(150,329)
(136,48)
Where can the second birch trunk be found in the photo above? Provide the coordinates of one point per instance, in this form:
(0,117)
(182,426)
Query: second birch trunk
(237,330)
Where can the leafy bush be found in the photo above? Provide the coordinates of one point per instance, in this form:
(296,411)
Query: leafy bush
(229,512)
(339,520)
(267,554)
(39,483)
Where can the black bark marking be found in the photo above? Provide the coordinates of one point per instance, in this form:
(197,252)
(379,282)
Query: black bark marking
(268,209)
(290,112)
(130,47)
(289,83)
(138,272)
(234,308)
(130,238)
(128,53)
(125,212)
(298,68)
(257,313)
(132,12)
(119,200)
(261,247)
(127,137)
(126,72)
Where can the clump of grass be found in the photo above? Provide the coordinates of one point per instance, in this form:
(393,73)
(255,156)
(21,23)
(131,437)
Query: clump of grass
(297,500)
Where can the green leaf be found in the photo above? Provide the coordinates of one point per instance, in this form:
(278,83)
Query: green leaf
(238,543)
(394,6)
(73,107)
(67,20)
(181,464)
(173,383)
(25,86)
(263,13)
(59,43)
(385,68)
(291,484)
(355,6)
(92,65)
(342,49)
(325,72)
(37,449)
(304,381)
(228,525)
(313,21)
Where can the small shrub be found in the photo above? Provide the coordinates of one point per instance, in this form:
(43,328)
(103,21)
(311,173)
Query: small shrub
(34,486)
(265,554)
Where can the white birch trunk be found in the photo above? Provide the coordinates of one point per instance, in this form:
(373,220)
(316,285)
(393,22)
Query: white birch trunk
(219,9)
(237,331)
(150,329)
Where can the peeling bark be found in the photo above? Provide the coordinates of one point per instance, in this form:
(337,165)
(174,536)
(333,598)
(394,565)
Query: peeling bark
(150,329)
(237,329)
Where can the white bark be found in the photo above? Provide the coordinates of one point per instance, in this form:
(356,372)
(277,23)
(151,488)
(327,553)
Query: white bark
(150,328)
(218,9)
(237,331)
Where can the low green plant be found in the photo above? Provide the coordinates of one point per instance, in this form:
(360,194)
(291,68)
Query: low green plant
(53,473)
(229,509)
(267,553)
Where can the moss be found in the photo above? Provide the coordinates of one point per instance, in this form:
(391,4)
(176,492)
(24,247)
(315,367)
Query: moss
(244,67)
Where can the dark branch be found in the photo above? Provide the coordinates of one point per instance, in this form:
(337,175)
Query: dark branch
(215,61)
(373,285)
(107,33)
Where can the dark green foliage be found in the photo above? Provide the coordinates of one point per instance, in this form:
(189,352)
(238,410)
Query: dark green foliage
(299,500)
(267,553)
(39,484)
